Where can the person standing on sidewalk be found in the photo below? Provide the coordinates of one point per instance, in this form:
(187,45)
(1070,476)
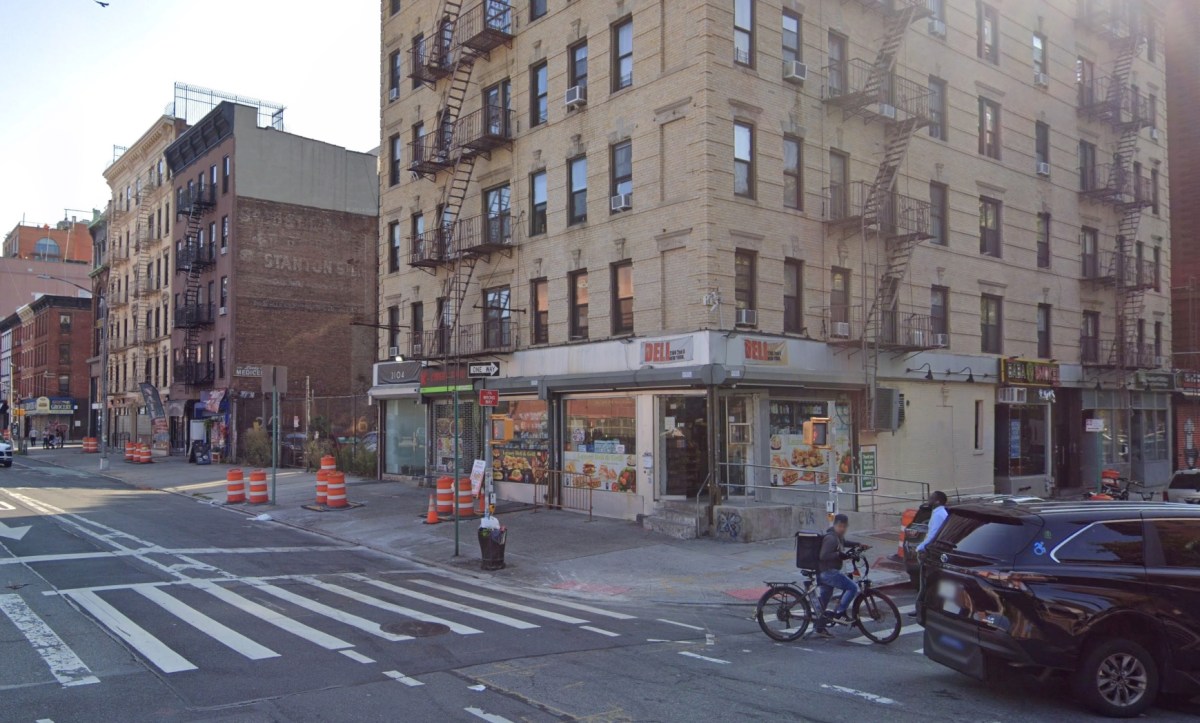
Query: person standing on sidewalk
(937,501)
(62,435)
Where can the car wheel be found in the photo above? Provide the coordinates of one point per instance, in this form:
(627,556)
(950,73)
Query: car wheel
(1117,678)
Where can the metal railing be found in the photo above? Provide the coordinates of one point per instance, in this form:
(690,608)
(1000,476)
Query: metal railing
(484,129)
(557,490)
(193,254)
(485,26)
(194,373)
(896,213)
(1115,183)
(191,316)
(893,97)
(487,337)
(816,492)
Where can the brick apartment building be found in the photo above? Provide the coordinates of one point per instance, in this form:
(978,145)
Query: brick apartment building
(67,241)
(273,258)
(685,229)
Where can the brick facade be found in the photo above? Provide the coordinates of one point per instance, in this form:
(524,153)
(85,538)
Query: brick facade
(1183,101)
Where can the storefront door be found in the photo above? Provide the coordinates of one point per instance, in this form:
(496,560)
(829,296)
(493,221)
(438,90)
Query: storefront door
(735,443)
(682,445)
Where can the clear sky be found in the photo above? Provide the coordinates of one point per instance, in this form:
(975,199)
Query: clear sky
(77,78)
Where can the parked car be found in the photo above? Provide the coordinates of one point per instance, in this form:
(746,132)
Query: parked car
(291,449)
(1108,595)
(1184,487)
(913,534)
(6,452)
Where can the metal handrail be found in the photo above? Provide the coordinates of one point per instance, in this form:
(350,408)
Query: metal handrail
(822,487)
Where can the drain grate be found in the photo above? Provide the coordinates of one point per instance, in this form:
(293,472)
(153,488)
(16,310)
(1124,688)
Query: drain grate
(415,628)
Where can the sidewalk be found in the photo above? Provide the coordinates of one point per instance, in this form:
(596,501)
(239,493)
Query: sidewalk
(547,550)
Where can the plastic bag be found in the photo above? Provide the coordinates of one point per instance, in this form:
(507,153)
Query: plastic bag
(489,523)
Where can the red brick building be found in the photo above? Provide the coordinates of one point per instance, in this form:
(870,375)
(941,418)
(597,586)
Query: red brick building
(68,241)
(51,344)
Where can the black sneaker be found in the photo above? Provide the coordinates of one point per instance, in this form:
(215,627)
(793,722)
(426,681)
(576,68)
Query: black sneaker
(823,632)
(841,619)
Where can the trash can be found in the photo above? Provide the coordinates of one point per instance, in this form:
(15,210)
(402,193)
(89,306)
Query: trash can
(491,547)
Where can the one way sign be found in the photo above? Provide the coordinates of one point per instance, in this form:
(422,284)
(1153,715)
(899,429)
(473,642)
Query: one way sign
(480,371)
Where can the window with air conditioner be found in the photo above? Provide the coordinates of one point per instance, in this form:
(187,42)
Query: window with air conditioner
(744,284)
(794,71)
(576,96)
(621,172)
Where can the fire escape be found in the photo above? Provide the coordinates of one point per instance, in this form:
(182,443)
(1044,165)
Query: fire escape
(872,90)
(192,257)
(143,235)
(457,141)
(1120,184)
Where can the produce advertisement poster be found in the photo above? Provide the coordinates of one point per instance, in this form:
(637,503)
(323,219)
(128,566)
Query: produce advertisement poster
(518,465)
(605,471)
(793,461)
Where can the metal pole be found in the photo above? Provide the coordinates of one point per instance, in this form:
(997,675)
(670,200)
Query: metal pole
(274,430)
(456,465)
(102,304)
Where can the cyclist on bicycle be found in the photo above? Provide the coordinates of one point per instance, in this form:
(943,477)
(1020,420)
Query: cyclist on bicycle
(834,553)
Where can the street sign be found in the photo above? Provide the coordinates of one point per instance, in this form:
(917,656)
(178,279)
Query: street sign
(274,378)
(487,369)
(489,397)
(1093,425)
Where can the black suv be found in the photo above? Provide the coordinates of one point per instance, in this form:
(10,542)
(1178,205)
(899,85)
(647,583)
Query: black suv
(1108,592)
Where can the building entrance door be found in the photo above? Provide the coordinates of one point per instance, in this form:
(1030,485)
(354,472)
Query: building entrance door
(682,445)
(735,444)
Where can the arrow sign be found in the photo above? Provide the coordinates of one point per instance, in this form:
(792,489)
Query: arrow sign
(13,533)
(478,371)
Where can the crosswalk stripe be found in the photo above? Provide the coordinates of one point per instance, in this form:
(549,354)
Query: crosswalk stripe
(506,604)
(356,656)
(449,604)
(267,615)
(353,621)
(559,602)
(64,664)
(601,631)
(217,631)
(390,607)
(163,658)
(906,630)
(401,678)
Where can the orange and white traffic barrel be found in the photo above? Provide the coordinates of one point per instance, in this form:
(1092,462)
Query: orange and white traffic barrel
(336,495)
(322,486)
(466,500)
(130,456)
(235,487)
(445,496)
(258,487)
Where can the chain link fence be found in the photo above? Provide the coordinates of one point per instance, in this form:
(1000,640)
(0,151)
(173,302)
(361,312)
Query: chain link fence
(346,427)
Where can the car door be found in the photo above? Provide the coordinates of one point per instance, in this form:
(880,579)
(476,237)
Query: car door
(1173,569)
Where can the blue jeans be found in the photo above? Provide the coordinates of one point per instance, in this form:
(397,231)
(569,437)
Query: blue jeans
(830,579)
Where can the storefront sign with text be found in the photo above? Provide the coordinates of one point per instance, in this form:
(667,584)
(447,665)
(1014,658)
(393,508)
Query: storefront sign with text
(1027,371)
(760,351)
(669,350)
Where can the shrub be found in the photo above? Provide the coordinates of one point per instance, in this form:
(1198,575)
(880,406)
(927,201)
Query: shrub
(256,447)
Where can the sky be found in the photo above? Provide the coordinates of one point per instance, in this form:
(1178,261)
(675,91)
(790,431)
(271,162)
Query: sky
(77,78)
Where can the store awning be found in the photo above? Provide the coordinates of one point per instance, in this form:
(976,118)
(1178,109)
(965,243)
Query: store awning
(394,391)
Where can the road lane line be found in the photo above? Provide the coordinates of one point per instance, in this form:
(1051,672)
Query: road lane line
(154,550)
(682,625)
(559,602)
(505,603)
(448,604)
(267,615)
(705,658)
(356,656)
(390,607)
(871,697)
(602,631)
(401,678)
(163,658)
(906,630)
(64,664)
(354,621)
(489,717)
(217,631)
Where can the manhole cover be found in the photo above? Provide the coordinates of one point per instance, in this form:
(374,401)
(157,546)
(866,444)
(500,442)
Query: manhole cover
(415,628)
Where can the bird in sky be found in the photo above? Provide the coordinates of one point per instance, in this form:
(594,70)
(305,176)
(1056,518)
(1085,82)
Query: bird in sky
(101,4)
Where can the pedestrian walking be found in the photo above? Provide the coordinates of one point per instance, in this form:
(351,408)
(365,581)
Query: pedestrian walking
(62,435)
(33,436)
(937,501)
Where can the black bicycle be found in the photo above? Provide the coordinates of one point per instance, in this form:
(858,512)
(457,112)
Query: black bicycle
(785,610)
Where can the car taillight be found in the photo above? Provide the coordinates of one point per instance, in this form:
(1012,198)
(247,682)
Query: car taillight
(1012,580)
(1166,497)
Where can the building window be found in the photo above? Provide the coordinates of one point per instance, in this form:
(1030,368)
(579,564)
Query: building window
(938,126)
(416,230)
(226,170)
(393,328)
(395,73)
(988,32)
(989,226)
(64,353)
(621,163)
(792,48)
(622,297)
(622,52)
(1041,68)
(416,325)
(224,292)
(64,323)
(1157,260)
(939,213)
(1041,145)
(743,280)
(1043,240)
(836,77)
(989,128)
(538,100)
(497,318)
(978,425)
(537,8)
(839,165)
(395,6)
(1088,180)
(497,205)
(394,161)
(743,160)
(577,201)
(839,298)
(793,173)
(1089,338)
(793,296)
(1151,30)
(220,358)
(743,32)
(1154,199)
(1158,339)
(939,314)
(64,384)
(224,233)
(578,282)
(991,320)
(393,247)
(1085,81)
(537,197)
(1152,109)
(1043,331)
(540,303)
(577,71)
(937,9)
(1089,249)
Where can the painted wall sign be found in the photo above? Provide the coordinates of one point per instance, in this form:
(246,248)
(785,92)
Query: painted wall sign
(248,370)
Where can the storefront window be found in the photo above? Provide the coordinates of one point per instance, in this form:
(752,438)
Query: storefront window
(444,439)
(525,456)
(600,441)
(794,461)
(404,437)
(1020,439)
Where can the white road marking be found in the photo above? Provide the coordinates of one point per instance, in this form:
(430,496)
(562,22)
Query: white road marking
(163,658)
(356,656)
(906,609)
(390,607)
(13,533)
(505,603)
(401,678)
(217,631)
(5,507)
(43,720)
(602,631)
(354,621)
(559,602)
(859,694)
(64,664)
(155,550)
(486,614)
(919,651)
(678,642)
(906,630)
(697,656)
(267,615)
(682,625)
(489,717)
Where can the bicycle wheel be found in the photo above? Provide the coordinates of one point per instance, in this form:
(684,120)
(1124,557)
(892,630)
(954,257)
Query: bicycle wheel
(783,614)
(878,617)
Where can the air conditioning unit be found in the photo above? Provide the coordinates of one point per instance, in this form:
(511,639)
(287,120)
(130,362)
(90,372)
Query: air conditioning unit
(889,409)
(1160,361)
(1043,168)
(393,93)
(622,202)
(746,317)
(887,110)
(794,71)
(840,330)
(1154,134)
(393,351)
(224,250)
(941,341)
(1041,80)
(576,96)
(937,27)
(223,311)
(1011,395)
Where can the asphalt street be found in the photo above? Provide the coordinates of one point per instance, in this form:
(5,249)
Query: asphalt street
(133,605)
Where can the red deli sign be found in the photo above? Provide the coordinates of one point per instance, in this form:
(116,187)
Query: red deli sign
(668,350)
(760,351)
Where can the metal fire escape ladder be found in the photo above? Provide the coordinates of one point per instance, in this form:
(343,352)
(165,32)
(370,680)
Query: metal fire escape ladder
(190,261)
(140,280)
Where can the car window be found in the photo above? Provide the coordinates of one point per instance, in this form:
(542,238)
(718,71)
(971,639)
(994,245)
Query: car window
(1180,540)
(991,536)
(1189,481)
(1112,543)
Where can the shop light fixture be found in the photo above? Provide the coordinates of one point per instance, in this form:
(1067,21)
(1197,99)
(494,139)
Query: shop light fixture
(928,371)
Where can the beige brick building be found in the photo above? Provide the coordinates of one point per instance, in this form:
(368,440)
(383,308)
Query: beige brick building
(686,228)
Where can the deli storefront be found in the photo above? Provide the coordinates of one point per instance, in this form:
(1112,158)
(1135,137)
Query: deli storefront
(1029,400)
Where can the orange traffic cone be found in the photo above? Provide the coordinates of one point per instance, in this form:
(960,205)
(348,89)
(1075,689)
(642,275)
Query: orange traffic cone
(431,517)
